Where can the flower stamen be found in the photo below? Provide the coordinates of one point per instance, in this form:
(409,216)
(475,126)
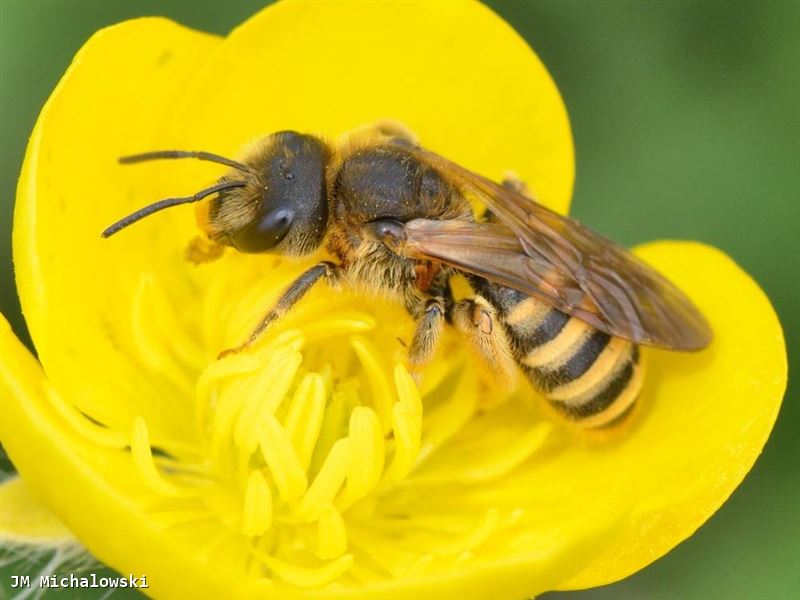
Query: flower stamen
(257,517)
(305,577)
(145,465)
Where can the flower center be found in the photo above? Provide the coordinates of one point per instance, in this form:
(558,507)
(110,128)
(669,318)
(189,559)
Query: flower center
(315,457)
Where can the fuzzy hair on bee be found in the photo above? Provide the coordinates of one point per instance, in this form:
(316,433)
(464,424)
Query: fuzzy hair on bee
(398,219)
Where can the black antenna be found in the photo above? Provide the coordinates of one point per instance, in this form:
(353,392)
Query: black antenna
(168,202)
(159,154)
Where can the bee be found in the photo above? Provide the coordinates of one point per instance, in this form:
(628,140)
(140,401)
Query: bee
(552,299)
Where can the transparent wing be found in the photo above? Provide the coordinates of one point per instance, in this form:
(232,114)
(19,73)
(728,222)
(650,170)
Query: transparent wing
(559,261)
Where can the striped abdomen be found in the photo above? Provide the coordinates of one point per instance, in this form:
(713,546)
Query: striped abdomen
(588,376)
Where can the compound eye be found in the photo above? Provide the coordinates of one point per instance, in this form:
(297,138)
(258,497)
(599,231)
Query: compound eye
(265,233)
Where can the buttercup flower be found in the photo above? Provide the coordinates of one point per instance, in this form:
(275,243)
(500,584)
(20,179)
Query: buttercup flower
(313,465)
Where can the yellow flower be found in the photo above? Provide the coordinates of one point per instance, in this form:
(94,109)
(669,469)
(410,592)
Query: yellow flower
(313,466)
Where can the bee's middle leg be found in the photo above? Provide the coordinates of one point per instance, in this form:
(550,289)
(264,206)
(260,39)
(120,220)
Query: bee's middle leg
(427,334)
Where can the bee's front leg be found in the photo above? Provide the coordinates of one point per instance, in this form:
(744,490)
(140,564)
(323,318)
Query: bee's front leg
(298,289)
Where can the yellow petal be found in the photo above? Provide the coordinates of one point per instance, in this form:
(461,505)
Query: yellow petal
(454,73)
(706,416)
(85,485)
(116,92)
(77,291)
(26,520)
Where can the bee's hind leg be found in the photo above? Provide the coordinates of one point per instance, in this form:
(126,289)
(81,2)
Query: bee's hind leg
(298,289)
(511,182)
(477,320)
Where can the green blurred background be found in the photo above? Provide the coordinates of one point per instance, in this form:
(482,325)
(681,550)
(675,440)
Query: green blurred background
(691,110)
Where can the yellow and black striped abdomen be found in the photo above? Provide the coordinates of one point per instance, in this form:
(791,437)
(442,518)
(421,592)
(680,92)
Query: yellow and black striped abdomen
(591,378)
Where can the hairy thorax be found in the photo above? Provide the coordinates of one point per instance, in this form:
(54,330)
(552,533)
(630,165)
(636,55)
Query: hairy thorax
(385,182)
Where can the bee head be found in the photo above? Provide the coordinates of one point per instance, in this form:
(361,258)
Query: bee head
(275,201)
(283,206)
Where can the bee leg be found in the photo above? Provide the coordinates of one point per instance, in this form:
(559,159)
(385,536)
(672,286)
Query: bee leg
(428,332)
(512,182)
(477,320)
(396,132)
(298,289)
